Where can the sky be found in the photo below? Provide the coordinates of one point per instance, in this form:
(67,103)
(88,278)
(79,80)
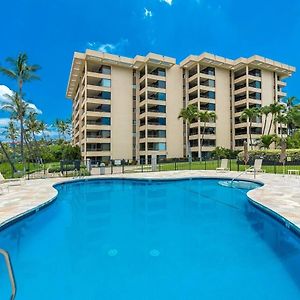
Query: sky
(50,31)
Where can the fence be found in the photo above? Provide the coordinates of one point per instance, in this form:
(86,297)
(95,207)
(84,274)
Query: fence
(178,164)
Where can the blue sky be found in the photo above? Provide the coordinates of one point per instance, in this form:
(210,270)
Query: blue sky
(50,31)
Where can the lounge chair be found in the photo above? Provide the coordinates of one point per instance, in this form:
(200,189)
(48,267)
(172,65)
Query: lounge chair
(257,167)
(224,166)
(11,182)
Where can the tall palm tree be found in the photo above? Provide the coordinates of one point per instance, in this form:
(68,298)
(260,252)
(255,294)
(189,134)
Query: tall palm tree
(282,119)
(265,111)
(290,102)
(188,114)
(250,114)
(33,125)
(205,117)
(12,132)
(33,128)
(18,109)
(21,71)
(43,128)
(275,109)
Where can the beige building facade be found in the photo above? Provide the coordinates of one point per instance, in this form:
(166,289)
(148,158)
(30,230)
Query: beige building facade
(127,108)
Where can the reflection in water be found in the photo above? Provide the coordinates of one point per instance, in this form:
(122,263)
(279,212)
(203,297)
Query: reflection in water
(281,240)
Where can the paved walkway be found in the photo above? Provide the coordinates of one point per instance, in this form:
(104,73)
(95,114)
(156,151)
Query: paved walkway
(279,193)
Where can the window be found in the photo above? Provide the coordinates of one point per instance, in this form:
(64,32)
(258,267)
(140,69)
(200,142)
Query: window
(240,142)
(240,131)
(105,121)
(105,70)
(208,106)
(105,82)
(105,95)
(255,72)
(208,71)
(255,84)
(208,94)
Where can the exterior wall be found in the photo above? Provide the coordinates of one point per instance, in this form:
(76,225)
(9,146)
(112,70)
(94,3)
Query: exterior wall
(268,93)
(174,105)
(121,113)
(223,134)
(211,83)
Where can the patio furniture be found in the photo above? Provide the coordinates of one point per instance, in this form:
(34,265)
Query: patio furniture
(11,181)
(224,166)
(256,168)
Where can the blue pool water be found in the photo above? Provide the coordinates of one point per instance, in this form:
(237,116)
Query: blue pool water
(123,239)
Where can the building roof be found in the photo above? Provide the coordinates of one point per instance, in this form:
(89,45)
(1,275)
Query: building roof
(167,62)
(256,61)
(111,59)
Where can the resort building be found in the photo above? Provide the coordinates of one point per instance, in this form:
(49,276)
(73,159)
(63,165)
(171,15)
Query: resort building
(127,108)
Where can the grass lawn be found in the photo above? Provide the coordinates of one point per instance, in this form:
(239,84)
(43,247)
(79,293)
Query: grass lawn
(213,164)
(6,171)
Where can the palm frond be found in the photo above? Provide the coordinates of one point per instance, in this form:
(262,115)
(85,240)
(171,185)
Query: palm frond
(8,72)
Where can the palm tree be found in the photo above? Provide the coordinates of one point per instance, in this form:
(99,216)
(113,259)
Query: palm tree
(18,109)
(63,128)
(290,102)
(281,119)
(22,72)
(267,140)
(205,117)
(275,109)
(265,111)
(43,128)
(33,125)
(250,114)
(12,132)
(188,114)
(14,170)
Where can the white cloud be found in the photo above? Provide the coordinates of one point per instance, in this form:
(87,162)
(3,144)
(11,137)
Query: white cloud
(4,90)
(108,47)
(147,13)
(170,2)
(4,122)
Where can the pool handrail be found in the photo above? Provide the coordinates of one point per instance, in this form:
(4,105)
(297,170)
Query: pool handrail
(10,273)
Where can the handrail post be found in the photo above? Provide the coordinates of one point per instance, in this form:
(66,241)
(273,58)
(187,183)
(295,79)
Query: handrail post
(10,273)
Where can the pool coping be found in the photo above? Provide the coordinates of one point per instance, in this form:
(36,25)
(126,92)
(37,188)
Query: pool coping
(50,189)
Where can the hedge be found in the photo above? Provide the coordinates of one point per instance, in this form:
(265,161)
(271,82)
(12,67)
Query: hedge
(271,155)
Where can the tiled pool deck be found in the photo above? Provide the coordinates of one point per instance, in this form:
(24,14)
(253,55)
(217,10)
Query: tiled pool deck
(280,193)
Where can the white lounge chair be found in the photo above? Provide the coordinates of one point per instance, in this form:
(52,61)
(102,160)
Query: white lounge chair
(257,167)
(224,166)
(10,182)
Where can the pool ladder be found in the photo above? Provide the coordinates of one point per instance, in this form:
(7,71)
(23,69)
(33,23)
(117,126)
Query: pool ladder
(10,273)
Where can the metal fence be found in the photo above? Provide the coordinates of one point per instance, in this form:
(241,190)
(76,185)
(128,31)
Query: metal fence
(178,164)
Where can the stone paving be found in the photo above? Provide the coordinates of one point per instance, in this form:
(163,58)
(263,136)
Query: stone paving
(279,193)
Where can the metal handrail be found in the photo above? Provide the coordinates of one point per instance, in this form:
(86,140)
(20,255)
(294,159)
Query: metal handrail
(10,273)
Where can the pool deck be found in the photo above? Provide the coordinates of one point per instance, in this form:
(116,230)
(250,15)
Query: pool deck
(280,194)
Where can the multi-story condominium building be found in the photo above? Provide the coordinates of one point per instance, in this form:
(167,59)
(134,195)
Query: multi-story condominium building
(126,108)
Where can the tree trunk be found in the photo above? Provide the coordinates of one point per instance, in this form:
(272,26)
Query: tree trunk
(265,124)
(202,139)
(8,159)
(250,134)
(22,144)
(272,120)
(189,151)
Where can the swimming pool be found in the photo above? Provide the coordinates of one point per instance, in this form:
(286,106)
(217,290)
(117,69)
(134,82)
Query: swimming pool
(134,239)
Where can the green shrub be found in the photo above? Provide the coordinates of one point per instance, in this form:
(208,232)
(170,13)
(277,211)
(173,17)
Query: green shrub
(71,152)
(271,155)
